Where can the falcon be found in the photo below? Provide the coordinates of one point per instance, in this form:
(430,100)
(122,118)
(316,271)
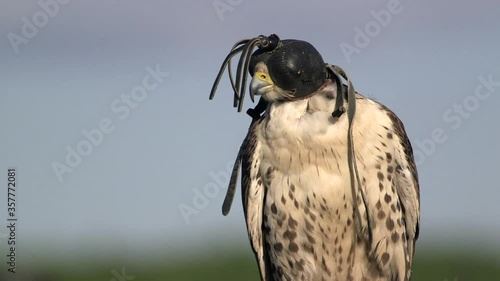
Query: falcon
(329,183)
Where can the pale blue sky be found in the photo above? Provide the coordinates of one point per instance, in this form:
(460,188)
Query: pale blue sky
(129,188)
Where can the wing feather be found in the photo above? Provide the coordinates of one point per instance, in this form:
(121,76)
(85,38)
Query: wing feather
(407,180)
(407,187)
(393,193)
(253,195)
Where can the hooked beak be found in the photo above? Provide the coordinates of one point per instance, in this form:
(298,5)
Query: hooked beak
(261,84)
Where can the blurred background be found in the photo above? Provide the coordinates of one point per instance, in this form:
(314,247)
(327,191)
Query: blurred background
(122,161)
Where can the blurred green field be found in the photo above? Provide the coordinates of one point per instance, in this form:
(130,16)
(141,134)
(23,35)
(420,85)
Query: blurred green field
(428,266)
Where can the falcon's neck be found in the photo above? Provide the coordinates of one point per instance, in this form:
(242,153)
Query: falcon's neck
(304,123)
(309,116)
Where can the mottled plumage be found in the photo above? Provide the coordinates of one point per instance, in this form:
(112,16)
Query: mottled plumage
(297,198)
(329,183)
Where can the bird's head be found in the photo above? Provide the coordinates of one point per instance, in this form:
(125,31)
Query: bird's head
(280,69)
(293,69)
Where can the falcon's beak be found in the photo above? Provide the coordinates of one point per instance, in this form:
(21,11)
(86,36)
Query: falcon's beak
(261,84)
